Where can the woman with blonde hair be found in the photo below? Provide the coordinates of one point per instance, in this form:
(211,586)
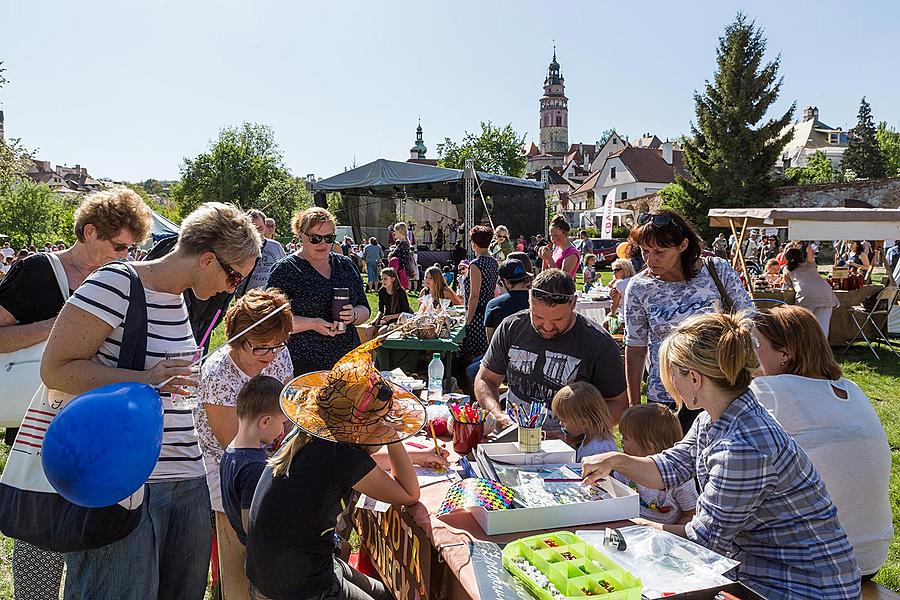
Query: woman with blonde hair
(436,289)
(310,278)
(623,271)
(106,225)
(501,245)
(762,501)
(834,422)
(167,555)
(260,351)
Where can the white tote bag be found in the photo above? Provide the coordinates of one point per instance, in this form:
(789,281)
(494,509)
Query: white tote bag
(20,371)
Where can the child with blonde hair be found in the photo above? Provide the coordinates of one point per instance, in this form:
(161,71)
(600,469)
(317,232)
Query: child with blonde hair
(589,273)
(584,415)
(650,429)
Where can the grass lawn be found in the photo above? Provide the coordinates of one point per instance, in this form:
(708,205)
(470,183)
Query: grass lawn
(879,379)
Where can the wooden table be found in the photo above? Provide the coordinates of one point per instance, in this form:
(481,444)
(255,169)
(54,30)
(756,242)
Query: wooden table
(404,352)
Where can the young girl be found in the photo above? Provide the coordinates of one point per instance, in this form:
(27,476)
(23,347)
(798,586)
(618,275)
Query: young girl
(590,275)
(392,302)
(436,289)
(650,429)
(583,415)
(773,276)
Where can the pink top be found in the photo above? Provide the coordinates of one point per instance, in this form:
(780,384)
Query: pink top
(559,257)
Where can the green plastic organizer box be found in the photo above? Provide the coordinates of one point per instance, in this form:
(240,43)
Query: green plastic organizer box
(574,567)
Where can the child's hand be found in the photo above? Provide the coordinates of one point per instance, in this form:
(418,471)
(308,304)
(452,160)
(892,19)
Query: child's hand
(427,457)
(646,523)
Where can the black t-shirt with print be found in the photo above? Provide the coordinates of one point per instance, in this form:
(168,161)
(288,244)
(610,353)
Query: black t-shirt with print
(536,368)
(290,538)
(30,292)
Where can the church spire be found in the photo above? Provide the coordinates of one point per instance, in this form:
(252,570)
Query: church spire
(419,150)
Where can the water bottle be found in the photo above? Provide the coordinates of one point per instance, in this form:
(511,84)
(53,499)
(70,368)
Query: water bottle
(435,379)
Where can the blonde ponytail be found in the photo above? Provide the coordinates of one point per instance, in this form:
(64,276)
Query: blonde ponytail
(718,346)
(281,462)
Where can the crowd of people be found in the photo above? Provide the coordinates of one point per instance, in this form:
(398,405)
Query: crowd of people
(746,440)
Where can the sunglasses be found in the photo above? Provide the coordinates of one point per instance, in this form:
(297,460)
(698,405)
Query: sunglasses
(263,350)
(316,239)
(117,247)
(232,278)
(616,270)
(658,220)
(551,297)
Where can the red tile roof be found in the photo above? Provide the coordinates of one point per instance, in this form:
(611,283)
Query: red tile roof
(648,165)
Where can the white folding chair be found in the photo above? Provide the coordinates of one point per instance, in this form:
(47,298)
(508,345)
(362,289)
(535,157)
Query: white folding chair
(885,300)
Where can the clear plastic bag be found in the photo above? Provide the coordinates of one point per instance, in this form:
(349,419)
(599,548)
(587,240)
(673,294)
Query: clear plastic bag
(665,562)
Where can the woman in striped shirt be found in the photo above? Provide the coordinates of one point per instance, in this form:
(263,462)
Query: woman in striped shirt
(762,500)
(167,555)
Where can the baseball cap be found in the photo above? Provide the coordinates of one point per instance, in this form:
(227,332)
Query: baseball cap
(513,269)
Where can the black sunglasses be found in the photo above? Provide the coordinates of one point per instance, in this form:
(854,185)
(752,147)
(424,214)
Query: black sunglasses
(315,238)
(658,220)
(617,269)
(232,278)
(263,350)
(551,297)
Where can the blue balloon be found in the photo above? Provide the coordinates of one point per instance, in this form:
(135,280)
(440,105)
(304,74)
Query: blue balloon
(103,445)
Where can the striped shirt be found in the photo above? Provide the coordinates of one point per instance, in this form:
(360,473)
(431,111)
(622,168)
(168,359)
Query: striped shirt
(762,503)
(105,295)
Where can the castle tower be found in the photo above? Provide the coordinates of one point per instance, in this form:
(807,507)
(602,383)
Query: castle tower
(554,124)
(418,150)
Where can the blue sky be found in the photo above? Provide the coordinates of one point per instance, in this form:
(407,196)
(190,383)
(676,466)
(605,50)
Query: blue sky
(130,88)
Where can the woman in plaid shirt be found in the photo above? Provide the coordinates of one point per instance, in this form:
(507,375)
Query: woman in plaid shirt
(762,501)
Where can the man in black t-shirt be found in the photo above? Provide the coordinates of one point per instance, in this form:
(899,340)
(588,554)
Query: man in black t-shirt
(540,350)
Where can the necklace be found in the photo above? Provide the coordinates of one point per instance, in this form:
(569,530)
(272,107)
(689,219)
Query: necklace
(72,264)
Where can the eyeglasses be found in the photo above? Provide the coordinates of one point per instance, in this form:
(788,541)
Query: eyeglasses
(551,297)
(263,350)
(232,278)
(617,269)
(658,220)
(119,247)
(316,239)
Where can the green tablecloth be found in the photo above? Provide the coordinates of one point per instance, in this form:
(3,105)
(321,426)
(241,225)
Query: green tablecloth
(407,353)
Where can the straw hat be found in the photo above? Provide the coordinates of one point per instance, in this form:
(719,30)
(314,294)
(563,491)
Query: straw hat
(353,403)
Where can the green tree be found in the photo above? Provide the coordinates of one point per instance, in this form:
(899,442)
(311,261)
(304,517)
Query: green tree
(495,150)
(675,197)
(29,213)
(168,211)
(13,156)
(889,143)
(863,155)
(237,168)
(730,158)
(152,186)
(818,169)
(604,137)
(282,198)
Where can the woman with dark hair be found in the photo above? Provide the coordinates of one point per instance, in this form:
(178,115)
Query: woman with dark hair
(392,302)
(856,257)
(562,254)
(812,292)
(675,284)
(833,421)
(478,289)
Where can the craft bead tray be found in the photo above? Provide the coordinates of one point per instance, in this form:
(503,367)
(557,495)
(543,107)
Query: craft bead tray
(572,566)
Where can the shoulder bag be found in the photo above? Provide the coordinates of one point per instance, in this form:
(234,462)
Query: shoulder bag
(727,302)
(30,509)
(20,370)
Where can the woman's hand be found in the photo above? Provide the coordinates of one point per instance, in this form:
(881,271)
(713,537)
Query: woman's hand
(322,327)
(545,252)
(597,467)
(348,314)
(178,368)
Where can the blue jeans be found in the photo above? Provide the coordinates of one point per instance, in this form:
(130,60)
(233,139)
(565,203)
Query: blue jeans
(166,556)
(472,369)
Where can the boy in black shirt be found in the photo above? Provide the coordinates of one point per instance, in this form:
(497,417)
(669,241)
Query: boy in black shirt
(260,422)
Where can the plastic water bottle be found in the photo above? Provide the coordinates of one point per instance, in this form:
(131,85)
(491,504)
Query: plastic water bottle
(435,379)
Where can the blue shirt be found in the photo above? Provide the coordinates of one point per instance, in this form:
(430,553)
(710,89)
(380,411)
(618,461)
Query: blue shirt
(504,305)
(239,473)
(762,503)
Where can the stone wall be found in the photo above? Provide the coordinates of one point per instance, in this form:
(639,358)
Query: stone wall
(877,193)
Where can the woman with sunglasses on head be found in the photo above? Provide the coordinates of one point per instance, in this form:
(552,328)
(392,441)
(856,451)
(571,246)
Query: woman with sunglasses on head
(258,352)
(106,224)
(167,555)
(309,279)
(675,284)
(561,254)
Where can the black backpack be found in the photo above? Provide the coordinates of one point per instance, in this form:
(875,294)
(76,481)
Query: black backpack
(202,313)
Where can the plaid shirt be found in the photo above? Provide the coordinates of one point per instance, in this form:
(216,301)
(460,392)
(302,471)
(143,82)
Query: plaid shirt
(763,504)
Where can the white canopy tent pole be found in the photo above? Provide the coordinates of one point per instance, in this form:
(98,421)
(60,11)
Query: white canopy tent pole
(469,175)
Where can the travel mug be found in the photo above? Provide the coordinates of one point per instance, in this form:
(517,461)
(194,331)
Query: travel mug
(341,298)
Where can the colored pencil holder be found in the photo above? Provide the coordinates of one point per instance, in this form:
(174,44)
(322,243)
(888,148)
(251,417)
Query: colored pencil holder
(530,439)
(466,436)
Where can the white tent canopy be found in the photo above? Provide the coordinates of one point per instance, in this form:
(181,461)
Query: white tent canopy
(815,223)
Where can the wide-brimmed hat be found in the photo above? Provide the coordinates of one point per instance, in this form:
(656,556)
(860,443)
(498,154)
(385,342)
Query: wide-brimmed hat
(353,403)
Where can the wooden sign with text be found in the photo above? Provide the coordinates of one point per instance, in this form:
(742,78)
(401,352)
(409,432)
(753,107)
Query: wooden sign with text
(399,549)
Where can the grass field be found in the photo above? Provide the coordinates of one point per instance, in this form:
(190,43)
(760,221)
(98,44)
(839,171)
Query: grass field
(879,379)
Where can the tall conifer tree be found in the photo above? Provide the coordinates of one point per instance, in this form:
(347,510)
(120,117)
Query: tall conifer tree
(731,161)
(863,155)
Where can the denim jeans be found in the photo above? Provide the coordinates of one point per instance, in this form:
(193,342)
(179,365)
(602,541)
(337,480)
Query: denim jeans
(349,584)
(165,557)
(472,369)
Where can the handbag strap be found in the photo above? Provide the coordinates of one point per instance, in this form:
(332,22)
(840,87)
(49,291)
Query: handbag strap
(727,302)
(60,273)
(133,352)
